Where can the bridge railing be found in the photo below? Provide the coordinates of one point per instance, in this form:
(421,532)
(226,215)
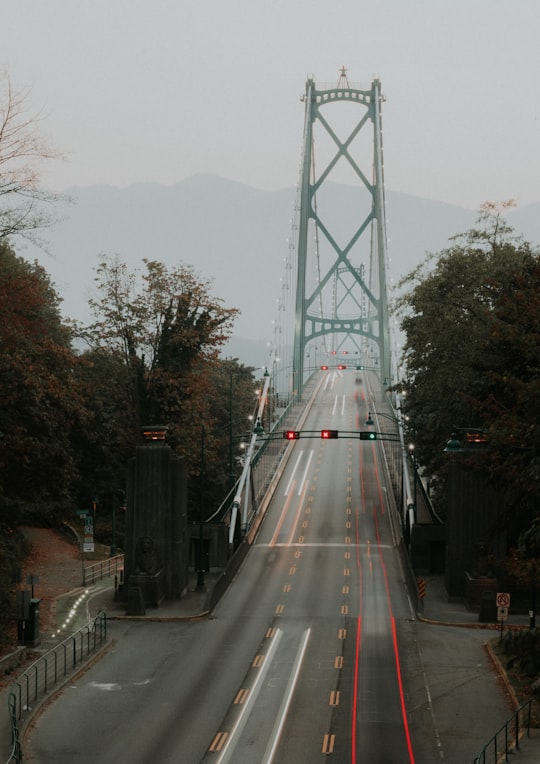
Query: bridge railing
(266,460)
(506,739)
(49,670)
(103,569)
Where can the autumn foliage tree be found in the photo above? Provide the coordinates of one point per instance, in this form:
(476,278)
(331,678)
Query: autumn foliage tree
(162,330)
(472,318)
(41,403)
(40,397)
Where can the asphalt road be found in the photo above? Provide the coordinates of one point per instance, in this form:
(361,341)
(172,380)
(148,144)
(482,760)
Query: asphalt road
(313,653)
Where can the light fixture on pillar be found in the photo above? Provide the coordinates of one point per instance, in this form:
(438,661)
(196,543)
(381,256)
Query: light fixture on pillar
(454,445)
(154,432)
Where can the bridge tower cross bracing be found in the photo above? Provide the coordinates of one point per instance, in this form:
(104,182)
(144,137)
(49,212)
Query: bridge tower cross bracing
(342,230)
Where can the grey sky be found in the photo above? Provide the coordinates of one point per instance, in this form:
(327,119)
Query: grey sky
(140,91)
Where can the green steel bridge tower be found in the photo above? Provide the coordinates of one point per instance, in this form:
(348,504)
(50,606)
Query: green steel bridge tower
(341,308)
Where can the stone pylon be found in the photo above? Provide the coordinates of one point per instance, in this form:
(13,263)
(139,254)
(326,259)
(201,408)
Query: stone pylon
(157,543)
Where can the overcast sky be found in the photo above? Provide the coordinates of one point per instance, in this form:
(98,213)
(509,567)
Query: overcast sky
(158,90)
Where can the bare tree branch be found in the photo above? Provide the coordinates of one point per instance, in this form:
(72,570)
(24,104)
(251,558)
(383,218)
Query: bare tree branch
(24,205)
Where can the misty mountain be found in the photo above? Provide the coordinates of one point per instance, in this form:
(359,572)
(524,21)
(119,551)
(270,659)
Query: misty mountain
(234,235)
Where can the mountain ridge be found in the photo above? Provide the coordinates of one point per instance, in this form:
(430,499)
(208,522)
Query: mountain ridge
(232,234)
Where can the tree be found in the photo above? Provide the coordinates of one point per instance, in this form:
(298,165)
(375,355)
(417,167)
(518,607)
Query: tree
(471,351)
(511,399)
(23,204)
(40,397)
(165,330)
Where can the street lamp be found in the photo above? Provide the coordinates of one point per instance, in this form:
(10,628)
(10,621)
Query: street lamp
(231,439)
(114,508)
(413,460)
(200,565)
(370,422)
(465,437)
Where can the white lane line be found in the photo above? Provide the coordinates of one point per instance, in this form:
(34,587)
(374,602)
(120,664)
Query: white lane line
(228,748)
(286,702)
(291,480)
(304,477)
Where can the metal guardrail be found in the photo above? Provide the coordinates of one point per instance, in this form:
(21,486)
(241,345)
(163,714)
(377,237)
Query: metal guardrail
(506,739)
(103,569)
(39,678)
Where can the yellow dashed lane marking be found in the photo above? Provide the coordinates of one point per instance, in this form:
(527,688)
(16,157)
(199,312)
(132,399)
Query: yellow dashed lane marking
(219,741)
(328,744)
(241,697)
(334,698)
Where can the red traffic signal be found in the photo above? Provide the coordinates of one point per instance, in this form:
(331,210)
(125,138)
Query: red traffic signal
(291,434)
(324,368)
(342,366)
(329,434)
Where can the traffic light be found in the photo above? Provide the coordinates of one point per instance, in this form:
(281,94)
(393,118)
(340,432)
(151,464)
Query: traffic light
(342,366)
(329,434)
(366,435)
(324,368)
(291,434)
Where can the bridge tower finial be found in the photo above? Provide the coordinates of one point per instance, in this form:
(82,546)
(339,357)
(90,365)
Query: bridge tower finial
(343,81)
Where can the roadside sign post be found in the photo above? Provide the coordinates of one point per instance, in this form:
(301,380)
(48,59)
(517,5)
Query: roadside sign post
(503,603)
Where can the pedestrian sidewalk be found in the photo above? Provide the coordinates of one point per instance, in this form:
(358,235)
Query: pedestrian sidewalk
(437,609)
(73,610)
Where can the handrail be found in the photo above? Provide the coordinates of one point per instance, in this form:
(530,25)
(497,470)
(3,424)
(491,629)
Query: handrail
(48,670)
(511,741)
(103,569)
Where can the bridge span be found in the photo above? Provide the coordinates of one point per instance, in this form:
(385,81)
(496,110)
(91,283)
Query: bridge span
(307,655)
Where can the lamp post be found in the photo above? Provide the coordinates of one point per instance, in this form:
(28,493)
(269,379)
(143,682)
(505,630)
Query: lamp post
(200,565)
(232,478)
(114,509)
(113,535)
(465,437)
(413,460)
(370,422)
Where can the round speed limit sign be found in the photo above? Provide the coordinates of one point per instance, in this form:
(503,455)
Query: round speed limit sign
(503,599)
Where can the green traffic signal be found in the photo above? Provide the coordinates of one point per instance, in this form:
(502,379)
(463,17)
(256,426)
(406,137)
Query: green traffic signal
(366,435)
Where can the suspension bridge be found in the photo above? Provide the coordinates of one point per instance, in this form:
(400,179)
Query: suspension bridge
(332,313)
(333,306)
